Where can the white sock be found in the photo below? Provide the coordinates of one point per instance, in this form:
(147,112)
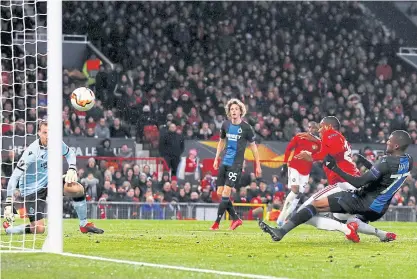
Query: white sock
(368,229)
(16,229)
(292,206)
(324,223)
(283,215)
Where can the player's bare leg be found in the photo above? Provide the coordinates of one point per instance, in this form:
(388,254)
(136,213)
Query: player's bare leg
(370,230)
(76,192)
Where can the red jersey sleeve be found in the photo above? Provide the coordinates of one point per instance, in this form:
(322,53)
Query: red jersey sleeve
(332,143)
(290,147)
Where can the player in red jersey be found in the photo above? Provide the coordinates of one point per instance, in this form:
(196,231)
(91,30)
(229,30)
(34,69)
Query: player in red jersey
(298,170)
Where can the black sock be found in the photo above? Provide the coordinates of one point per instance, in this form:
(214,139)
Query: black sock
(232,211)
(27,229)
(222,208)
(299,218)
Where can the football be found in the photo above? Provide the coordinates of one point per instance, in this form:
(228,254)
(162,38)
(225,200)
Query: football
(83,99)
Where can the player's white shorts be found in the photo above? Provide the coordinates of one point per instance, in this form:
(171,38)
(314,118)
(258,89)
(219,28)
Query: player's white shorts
(295,178)
(330,190)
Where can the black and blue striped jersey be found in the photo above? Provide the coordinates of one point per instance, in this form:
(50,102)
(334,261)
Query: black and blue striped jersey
(388,177)
(237,137)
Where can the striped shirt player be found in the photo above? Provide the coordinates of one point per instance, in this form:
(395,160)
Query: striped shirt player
(235,134)
(31,174)
(237,137)
(376,188)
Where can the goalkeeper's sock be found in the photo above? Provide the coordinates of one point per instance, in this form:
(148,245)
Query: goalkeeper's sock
(80,206)
(232,211)
(224,204)
(21,229)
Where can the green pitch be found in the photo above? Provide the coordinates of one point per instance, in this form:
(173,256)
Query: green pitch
(304,253)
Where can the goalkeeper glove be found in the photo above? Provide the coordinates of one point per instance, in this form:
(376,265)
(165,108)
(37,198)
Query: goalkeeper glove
(9,210)
(71,175)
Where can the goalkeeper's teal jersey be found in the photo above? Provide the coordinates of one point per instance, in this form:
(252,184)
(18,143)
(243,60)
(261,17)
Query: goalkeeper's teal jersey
(32,169)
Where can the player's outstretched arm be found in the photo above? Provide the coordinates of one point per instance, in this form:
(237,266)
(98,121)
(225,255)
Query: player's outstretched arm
(368,164)
(254,148)
(357,181)
(69,155)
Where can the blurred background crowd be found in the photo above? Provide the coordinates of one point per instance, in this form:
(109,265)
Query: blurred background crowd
(179,62)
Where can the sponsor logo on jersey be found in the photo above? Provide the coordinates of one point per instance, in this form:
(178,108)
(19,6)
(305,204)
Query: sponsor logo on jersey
(314,147)
(233,137)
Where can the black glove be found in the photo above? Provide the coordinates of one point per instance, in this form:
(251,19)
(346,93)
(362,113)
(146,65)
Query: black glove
(284,169)
(330,162)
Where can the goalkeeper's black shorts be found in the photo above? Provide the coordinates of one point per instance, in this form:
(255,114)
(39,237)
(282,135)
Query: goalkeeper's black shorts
(35,205)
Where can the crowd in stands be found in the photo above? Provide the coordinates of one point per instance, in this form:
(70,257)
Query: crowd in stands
(289,62)
(179,62)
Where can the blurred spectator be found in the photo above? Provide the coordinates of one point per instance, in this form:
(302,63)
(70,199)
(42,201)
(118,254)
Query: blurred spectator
(105,149)
(171,147)
(118,131)
(101,130)
(91,185)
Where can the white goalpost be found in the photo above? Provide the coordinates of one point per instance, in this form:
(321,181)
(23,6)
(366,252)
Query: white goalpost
(24,91)
(54,241)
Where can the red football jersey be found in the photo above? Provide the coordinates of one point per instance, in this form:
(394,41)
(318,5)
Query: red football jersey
(335,144)
(300,144)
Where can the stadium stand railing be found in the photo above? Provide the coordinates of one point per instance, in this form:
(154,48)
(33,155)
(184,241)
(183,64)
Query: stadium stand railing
(205,211)
(168,211)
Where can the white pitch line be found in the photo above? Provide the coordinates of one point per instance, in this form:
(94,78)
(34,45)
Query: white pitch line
(183,268)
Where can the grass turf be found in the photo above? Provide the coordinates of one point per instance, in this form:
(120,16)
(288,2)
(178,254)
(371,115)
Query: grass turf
(304,253)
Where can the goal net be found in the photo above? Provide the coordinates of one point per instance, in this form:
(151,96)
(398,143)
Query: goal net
(24,87)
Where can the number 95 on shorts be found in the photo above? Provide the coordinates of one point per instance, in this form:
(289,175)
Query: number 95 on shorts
(228,176)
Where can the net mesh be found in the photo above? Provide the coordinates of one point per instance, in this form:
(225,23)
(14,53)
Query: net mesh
(23,88)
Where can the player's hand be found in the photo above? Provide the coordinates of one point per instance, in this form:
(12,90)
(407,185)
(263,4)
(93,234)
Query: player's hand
(216,164)
(284,169)
(304,155)
(258,171)
(71,176)
(9,210)
(330,162)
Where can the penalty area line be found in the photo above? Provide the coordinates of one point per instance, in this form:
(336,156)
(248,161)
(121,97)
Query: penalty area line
(175,267)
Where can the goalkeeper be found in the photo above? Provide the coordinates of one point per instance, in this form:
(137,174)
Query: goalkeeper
(31,173)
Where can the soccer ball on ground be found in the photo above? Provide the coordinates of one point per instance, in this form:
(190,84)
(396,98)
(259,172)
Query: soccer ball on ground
(83,99)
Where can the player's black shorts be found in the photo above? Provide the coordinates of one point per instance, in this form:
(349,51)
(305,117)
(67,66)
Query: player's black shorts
(349,202)
(229,176)
(35,205)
